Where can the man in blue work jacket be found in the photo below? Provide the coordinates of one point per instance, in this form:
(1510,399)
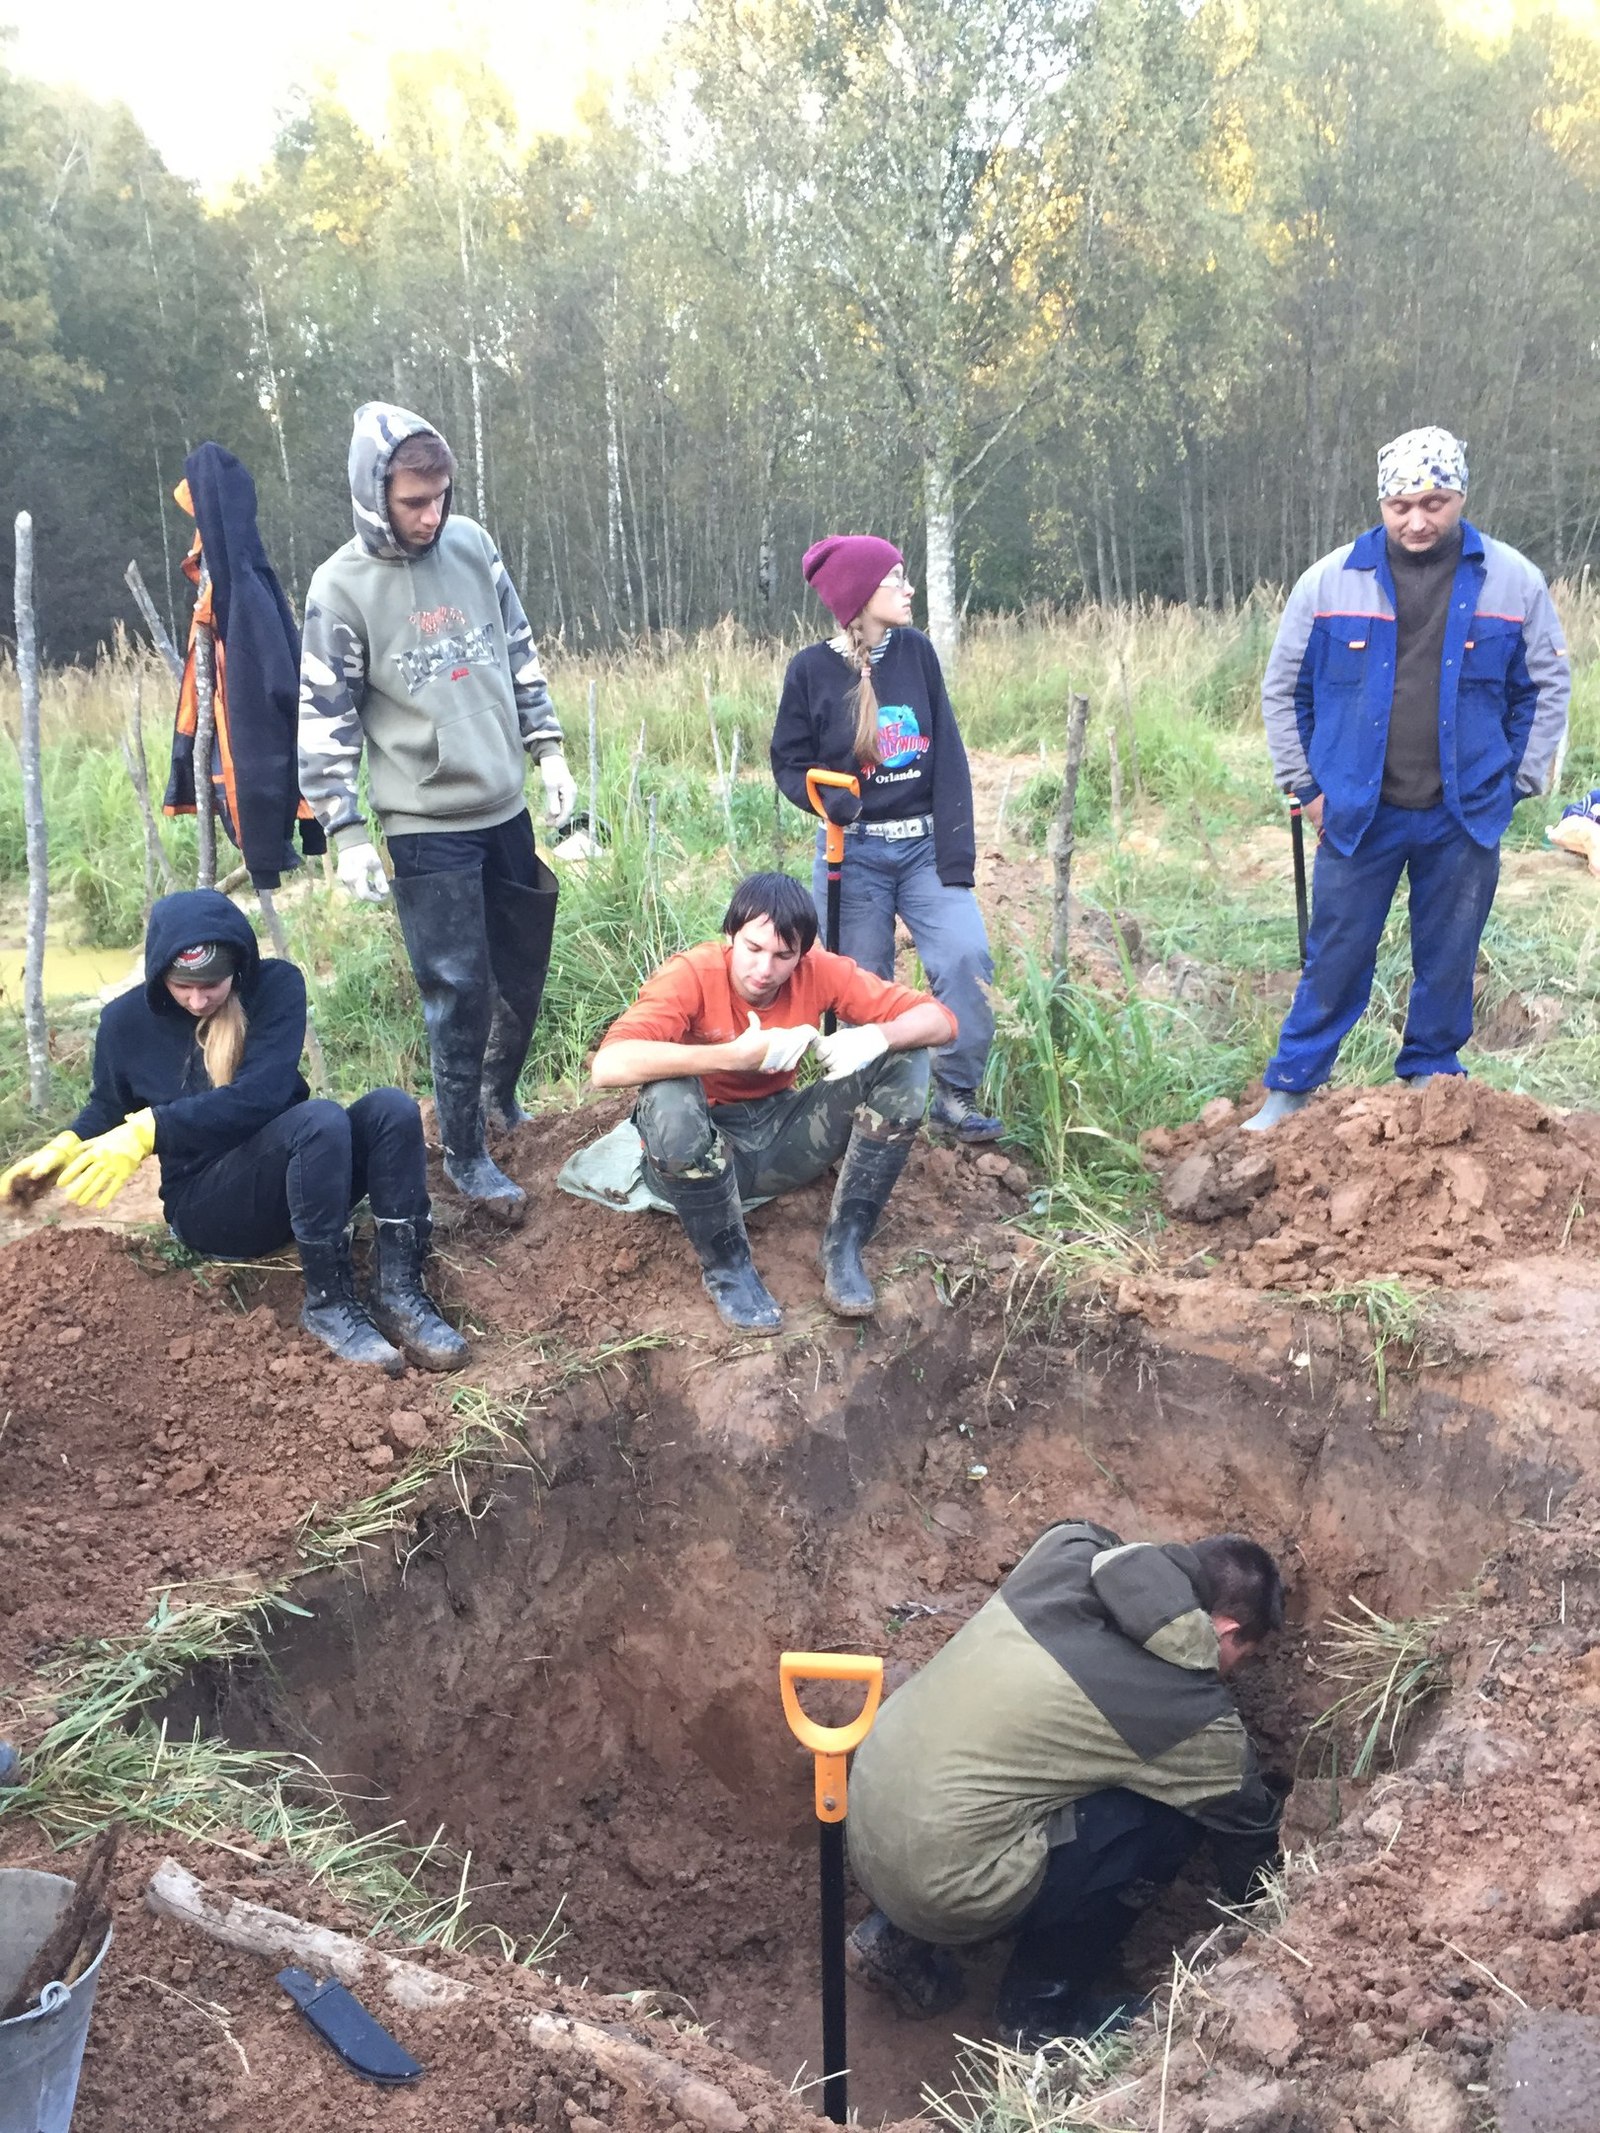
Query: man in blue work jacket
(1416,692)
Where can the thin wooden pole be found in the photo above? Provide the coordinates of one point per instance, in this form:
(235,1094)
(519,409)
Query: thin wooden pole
(156,854)
(1061,836)
(38,844)
(1115,762)
(594,759)
(153,622)
(315,1056)
(205,717)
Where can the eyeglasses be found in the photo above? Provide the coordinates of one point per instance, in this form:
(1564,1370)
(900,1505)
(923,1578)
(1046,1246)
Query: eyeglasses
(896,581)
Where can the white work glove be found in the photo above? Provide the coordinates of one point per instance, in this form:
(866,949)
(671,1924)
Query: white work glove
(361,872)
(847,1051)
(560,789)
(785,1047)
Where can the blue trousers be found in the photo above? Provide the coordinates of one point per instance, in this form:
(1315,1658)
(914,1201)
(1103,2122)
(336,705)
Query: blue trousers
(882,878)
(1452,885)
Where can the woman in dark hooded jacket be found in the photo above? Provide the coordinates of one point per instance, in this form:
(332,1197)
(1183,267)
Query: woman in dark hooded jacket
(201,1067)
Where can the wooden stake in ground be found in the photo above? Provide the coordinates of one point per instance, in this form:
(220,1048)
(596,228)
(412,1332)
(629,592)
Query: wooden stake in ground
(134,579)
(315,1057)
(1115,762)
(594,759)
(156,856)
(251,1927)
(38,843)
(724,783)
(205,726)
(1061,838)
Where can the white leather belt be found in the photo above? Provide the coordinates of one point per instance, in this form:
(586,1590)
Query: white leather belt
(907,826)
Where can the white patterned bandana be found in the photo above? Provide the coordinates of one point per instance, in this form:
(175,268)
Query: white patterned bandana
(1422,459)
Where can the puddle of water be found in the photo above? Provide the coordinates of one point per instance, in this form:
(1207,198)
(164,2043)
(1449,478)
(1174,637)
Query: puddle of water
(69,973)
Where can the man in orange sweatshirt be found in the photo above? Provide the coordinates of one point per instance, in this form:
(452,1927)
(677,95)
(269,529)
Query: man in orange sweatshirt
(712,1044)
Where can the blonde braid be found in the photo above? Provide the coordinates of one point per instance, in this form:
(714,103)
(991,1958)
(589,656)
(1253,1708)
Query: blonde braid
(852,645)
(221,1037)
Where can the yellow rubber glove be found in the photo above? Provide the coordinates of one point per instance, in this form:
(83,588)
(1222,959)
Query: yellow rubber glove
(31,1174)
(100,1169)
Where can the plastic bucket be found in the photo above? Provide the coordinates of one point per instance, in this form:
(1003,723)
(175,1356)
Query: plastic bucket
(42,2050)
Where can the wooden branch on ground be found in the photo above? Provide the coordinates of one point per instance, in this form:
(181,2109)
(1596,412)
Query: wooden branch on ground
(36,1027)
(134,578)
(1061,839)
(252,1928)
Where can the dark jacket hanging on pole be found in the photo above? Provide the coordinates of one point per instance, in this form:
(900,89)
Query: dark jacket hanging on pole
(255,760)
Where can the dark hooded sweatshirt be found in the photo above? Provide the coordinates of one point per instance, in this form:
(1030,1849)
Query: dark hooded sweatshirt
(147,1054)
(924,768)
(258,786)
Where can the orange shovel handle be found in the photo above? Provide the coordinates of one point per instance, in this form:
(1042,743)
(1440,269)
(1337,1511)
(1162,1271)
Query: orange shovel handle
(829,1744)
(833,844)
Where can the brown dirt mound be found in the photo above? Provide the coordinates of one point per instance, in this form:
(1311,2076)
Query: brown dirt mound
(1365,1183)
(154,1432)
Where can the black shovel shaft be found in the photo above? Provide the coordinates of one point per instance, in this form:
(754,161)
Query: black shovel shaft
(831,941)
(834,2060)
(1297,831)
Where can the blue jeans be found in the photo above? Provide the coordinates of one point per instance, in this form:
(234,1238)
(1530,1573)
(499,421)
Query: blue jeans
(882,878)
(1452,888)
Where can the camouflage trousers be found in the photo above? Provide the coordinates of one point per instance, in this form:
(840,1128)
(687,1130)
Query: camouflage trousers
(777,1142)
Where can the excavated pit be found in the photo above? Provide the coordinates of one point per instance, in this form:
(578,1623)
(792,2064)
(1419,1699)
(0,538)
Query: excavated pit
(577,1678)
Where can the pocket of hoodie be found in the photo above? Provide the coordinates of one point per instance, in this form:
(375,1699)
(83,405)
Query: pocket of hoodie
(477,761)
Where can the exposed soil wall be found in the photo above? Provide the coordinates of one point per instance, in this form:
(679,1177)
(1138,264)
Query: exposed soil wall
(580,1684)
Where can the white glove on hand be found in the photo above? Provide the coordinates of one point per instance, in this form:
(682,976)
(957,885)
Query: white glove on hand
(361,872)
(560,789)
(847,1051)
(785,1047)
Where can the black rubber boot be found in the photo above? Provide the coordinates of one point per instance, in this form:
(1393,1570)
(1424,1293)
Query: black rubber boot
(711,1216)
(920,1979)
(521,925)
(447,938)
(401,1307)
(869,1173)
(332,1314)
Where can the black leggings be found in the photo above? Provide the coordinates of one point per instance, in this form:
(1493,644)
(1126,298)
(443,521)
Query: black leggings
(302,1173)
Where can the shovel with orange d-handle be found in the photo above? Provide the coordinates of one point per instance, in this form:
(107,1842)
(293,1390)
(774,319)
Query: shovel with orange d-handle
(833,852)
(830,1745)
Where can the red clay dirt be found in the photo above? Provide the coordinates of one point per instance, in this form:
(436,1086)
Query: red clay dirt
(1423,1185)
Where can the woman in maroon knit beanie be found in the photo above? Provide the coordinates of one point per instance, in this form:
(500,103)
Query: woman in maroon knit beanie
(872,702)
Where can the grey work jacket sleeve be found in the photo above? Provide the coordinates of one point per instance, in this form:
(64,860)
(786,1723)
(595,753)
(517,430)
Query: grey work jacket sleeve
(536,712)
(1549,675)
(1286,705)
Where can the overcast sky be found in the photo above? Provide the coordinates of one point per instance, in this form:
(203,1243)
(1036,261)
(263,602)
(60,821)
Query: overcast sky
(207,89)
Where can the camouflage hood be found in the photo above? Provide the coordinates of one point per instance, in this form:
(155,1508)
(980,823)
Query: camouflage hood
(379,430)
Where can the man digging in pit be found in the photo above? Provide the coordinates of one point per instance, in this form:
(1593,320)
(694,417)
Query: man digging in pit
(1416,692)
(712,1044)
(1055,1765)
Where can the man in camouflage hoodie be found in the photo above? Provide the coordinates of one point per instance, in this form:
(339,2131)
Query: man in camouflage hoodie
(416,645)
(1058,1760)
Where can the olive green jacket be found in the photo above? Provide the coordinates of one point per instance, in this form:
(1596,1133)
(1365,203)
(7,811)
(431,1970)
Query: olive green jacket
(1094,1665)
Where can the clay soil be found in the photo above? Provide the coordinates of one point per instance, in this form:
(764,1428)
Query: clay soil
(576,1679)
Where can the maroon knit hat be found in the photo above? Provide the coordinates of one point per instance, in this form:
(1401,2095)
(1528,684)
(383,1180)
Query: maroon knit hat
(846,569)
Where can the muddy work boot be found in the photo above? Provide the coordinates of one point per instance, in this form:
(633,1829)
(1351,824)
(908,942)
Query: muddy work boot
(1280,1104)
(446,933)
(921,1980)
(521,925)
(869,1173)
(332,1314)
(713,1220)
(954,1116)
(401,1307)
